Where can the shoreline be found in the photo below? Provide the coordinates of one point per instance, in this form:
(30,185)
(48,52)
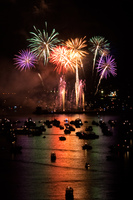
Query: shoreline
(91,112)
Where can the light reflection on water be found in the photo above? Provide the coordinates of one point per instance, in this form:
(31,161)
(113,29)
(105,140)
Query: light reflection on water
(36,177)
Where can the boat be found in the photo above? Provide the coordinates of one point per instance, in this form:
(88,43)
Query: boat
(56,123)
(53,156)
(86,136)
(67,131)
(48,123)
(62,138)
(66,120)
(71,128)
(77,122)
(87,165)
(112,123)
(86,146)
(42,128)
(72,122)
(85,121)
(29,123)
(69,193)
(61,127)
(79,133)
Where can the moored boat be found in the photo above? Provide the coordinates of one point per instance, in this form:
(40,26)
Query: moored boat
(62,138)
(53,156)
(86,146)
(87,165)
(86,136)
(67,131)
(69,193)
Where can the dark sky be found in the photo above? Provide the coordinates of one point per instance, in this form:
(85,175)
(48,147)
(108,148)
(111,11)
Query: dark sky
(71,18)
(112,19)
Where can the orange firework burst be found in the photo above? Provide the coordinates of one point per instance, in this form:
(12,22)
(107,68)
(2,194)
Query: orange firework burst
(76,46)
(63,58)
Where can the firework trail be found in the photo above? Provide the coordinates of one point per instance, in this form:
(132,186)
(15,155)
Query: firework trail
(104,53)
(41,79)
(81,94)
(62,89)
(76,46)
(98,44)
(25,60)
(107,67)
(42,44)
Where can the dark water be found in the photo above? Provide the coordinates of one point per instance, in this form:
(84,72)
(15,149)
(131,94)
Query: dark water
(32,176)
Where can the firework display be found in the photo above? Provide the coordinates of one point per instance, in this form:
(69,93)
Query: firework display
(65,57)
(98,45)
(42,44)
(107,67)
(76,46)
(25,60)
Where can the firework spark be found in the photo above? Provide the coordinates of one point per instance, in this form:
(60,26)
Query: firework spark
(98,45)
(25,60)
(107,67)
(39,75)
(76,46)
(42,44)
(103,54)
(62,89)
(63,58)
(81,94)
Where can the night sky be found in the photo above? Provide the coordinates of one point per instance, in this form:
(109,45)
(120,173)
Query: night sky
(111,19)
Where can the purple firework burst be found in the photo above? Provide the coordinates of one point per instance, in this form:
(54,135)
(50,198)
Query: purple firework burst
(25,60)
(107,67)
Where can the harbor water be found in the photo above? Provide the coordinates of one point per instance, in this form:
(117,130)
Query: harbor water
(32,175)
